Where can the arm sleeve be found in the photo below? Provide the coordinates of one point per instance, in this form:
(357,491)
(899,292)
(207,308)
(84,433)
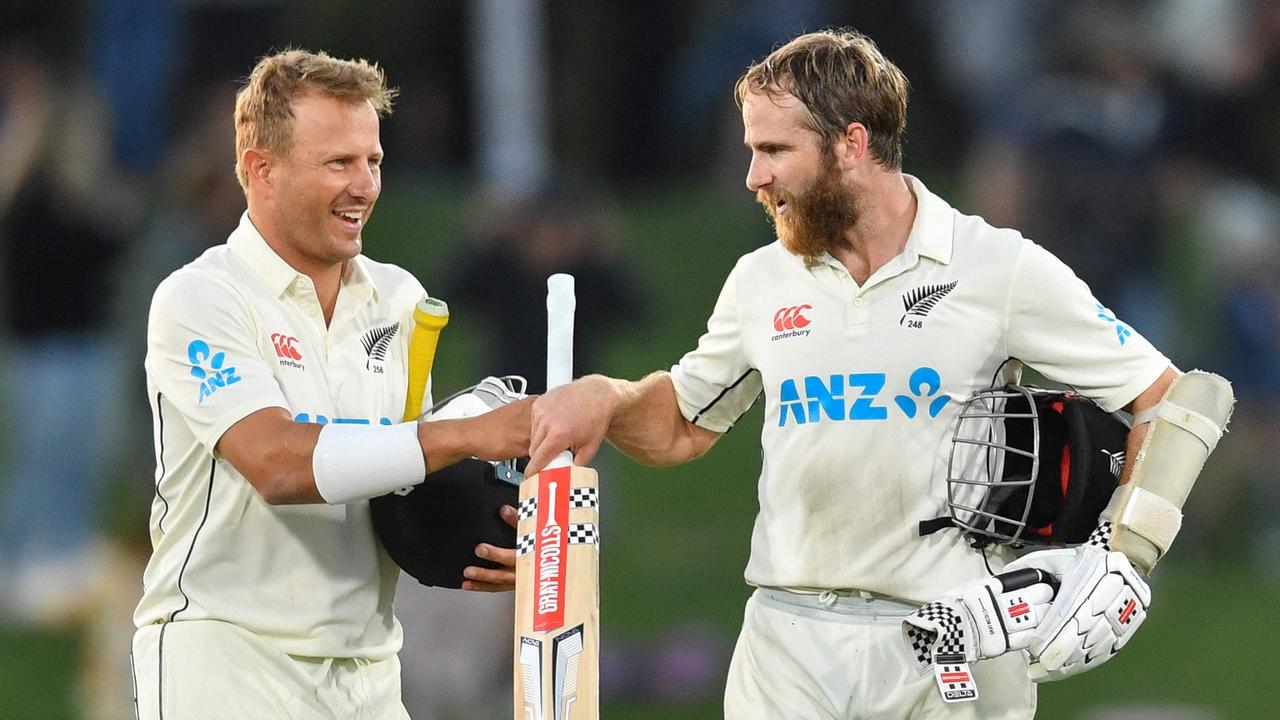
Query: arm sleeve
(715,383)
(1057,327)
(204,354)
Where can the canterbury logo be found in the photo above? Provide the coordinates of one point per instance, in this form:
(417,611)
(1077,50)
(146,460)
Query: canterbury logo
(791,318)
(1117,461)
(286,346)
(923,299)
(377,341)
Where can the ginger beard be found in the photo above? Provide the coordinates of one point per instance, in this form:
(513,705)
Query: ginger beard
(816,217)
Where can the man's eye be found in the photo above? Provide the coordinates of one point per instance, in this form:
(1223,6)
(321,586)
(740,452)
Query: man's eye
(337,164)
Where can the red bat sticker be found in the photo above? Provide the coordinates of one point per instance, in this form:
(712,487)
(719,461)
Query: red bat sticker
(550,550)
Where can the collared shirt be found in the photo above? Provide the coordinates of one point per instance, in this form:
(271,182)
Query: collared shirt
(862,385)
(233,332)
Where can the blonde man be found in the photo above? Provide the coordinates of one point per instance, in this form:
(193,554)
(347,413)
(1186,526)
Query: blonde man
(858,396)
(267,594)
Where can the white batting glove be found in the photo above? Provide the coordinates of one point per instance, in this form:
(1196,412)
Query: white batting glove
(490,393)
(1102,603)
(980,619)
(983,618)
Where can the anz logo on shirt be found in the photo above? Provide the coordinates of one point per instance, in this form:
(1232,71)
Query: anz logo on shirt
(210,369)
(1123,331)
(303,417)
(827,398)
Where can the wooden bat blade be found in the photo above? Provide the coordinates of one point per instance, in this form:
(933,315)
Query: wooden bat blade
(557,640)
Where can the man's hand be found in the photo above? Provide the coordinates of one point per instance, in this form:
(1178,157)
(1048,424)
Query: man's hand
(572,417)
(1102,603)
(481,579)
(981,619)
(499,434)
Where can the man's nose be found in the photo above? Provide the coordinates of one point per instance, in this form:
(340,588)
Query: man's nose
(758,174)
(366,182)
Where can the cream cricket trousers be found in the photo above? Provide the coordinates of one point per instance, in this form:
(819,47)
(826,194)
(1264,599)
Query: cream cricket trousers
(797,659)
(210,670)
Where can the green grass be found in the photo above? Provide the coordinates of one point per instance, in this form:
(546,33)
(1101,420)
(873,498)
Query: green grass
(37,674)
(676,540)
(1206,644)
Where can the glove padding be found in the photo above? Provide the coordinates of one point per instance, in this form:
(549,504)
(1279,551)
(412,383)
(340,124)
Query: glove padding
(1102,603)
(981,619)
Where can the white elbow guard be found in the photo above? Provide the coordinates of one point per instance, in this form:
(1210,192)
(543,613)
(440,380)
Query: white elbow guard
(358,462)
(1146,512)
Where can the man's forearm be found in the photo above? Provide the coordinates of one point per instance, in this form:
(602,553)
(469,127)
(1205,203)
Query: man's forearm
(1148,399)
(647,424)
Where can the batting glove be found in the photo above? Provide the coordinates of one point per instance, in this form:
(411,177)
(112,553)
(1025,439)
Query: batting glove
(1102,603)
(983,618)
(490,393)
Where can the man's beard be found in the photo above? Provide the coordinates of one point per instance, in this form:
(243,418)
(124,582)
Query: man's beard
(816,218)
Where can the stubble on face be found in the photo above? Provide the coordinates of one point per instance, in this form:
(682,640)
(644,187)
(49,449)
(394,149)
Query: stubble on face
(816,217)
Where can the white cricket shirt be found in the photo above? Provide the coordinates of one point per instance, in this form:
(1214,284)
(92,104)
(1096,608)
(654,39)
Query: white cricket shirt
(862,384)
(235,331)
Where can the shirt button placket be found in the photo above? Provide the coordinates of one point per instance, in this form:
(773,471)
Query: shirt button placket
(858,312)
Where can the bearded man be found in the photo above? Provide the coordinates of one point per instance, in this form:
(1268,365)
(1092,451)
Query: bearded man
(878,310)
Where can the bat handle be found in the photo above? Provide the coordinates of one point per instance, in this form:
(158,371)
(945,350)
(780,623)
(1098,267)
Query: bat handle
(430,316)
(561,304)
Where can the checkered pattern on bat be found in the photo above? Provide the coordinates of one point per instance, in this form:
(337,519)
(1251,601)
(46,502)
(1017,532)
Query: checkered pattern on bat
(584,534)
(580,497)
(524,544)
(949,639)
(584,497)
(1101,535)
(579,534)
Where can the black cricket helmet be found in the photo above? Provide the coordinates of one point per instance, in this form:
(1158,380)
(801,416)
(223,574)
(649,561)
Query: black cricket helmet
(431,529)
(1032,466)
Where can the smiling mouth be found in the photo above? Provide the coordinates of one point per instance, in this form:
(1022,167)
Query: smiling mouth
(350,218)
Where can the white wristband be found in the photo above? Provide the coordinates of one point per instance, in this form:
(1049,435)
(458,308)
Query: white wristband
(358,462)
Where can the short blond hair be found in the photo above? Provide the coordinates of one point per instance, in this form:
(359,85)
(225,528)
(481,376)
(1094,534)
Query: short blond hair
(840,77)
(264,111)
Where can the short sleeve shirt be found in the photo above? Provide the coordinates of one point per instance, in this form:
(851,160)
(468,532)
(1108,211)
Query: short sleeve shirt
(861,386)
(233,332)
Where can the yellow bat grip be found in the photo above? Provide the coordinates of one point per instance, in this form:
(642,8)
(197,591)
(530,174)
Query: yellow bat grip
(430,316)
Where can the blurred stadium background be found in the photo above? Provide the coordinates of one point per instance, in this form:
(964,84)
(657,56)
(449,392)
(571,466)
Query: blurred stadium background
(1138,140)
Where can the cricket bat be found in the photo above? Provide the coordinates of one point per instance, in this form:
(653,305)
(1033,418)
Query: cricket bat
(557,628)
(430,316)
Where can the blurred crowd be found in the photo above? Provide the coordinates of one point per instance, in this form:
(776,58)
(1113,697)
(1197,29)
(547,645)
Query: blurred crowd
(1139,141)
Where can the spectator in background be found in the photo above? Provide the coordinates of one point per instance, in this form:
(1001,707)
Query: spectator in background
(502,278)
(1081,160)
(64,216)
(198,199)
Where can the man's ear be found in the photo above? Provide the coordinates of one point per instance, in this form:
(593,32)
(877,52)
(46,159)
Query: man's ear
(259,164)
(853,146)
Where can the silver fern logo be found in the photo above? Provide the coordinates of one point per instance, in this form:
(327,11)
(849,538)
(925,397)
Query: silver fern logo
(376,342)
(921,300)
(1117,461)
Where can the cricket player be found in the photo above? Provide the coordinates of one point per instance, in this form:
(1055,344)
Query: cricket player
(879,309)
(276,371)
